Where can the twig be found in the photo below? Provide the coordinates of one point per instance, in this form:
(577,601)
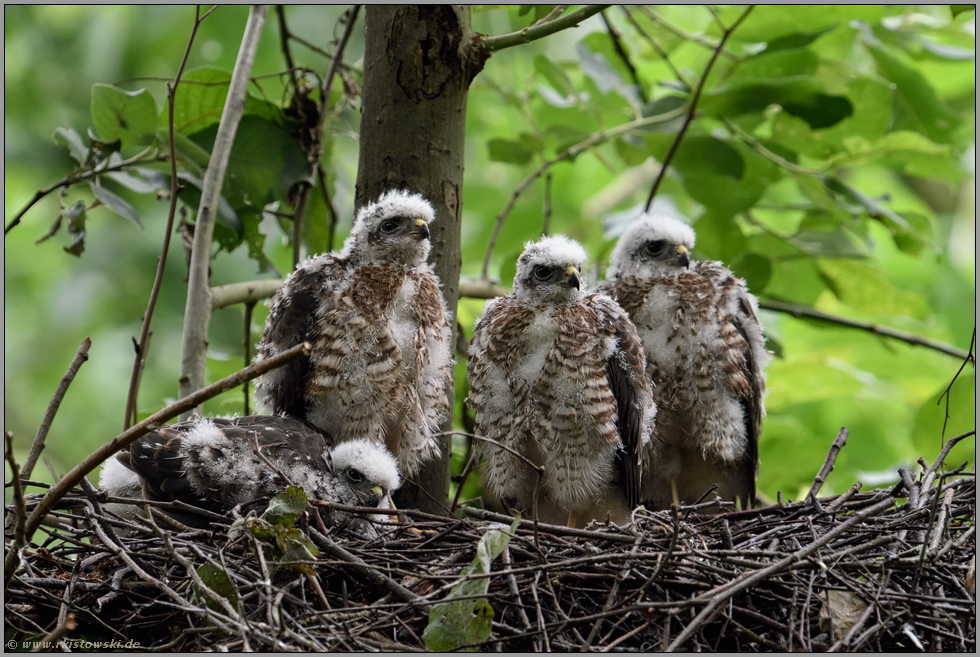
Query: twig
(568,153)
(374,576)
(223,296)
(55,635)
(12,559)
(540,30)
(929,475)
(624,56)
(727,32)
(546,230)
(655,46)
(828,464)
(197,312)
(809,313)
(470,462)
(969,359)
(717,597)
(699,39)
(144,342)
(284,36)
(74,178)
(130,435)
(59,394)
(316,150)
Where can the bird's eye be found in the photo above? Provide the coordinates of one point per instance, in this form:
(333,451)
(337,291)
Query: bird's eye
(542,273)
(354,476)
(389,226)
(654,248)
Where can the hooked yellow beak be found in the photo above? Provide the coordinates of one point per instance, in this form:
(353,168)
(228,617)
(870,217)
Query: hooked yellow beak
(683,256)
(421,228)
(574,280)
(378,490)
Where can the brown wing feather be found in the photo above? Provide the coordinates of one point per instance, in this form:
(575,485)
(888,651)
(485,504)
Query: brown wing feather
(170,472)
(290,322)
(628,382)
(748,467)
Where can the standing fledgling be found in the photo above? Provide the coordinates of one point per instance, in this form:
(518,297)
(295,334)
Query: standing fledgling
(706,357)
(213,464)
(381,365)
(557,377)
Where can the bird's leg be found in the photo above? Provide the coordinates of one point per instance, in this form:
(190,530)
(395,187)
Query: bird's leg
(572,519)
(673,491)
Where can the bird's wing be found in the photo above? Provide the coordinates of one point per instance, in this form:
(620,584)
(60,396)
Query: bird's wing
(747,358)
(433,333)
(295,306)
(168,473)
(628,382)
(753,401)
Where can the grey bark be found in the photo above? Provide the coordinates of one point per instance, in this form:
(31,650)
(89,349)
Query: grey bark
(418,65)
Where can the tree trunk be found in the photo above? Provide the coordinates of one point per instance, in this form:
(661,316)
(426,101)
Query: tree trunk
(418,65)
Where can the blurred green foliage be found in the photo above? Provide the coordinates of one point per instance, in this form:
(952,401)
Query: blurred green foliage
(831,164)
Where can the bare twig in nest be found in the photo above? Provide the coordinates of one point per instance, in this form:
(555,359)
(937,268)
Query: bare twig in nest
(12,559)
(828,464)
(42,432)
(607,590)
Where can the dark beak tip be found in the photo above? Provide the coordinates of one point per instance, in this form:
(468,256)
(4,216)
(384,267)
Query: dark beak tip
(423,232)
(373,500)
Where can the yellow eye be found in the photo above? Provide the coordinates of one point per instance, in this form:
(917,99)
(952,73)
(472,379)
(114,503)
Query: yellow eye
(354,476)
(389,226)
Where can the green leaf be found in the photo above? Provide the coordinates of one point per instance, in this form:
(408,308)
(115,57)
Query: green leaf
(531,143)
(115,203)
(286,507)
(708,155)
(631,150)
(864,287)
(914,238)
(227,217)
(947,52)
(216,579)
(797,40)
(874,209)
(265,161)
(768,23)
(960,9)
(777,65)
(820,110)
(454,623)
(800,96)
(796,281)
(672,109)
(76,215)
(199,101)
(76,147)
(555,75)
(917,106)
(127,116)
(296,547)
(505,150)
(137,183)
(719,235)
(597,68)
(755,269)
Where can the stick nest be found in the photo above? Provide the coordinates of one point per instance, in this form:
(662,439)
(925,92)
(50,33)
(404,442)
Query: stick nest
(885,570)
